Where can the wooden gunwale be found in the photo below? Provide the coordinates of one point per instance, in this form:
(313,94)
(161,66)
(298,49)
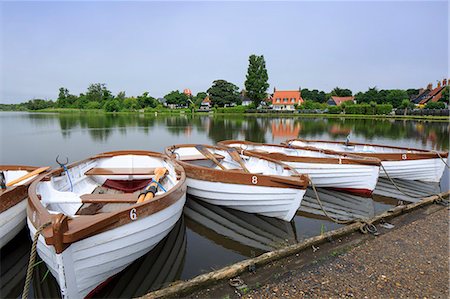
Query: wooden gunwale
(297,181)
(406,155)
(11,196)
(83,226)
(345,157)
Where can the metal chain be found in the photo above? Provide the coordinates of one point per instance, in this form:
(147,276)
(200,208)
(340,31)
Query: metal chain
(26,287)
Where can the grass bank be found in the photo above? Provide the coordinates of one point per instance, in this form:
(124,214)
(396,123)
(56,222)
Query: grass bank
(256,114)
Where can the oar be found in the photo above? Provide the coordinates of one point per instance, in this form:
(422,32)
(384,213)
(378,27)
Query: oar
(208,155)
(236,157)
(151,189)
(28,175)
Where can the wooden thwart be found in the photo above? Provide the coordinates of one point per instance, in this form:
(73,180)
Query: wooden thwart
(120,171)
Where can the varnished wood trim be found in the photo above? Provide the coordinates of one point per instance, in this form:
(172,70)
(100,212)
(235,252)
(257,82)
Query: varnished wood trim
(346,158)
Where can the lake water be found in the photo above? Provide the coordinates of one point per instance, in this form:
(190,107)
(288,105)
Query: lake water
(207,237)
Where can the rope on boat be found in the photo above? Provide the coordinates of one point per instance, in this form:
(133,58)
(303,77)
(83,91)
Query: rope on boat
(440,200)
(443,160)
(31,264)
(366,225)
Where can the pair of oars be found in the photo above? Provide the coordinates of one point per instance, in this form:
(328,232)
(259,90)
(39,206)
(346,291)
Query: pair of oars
(233,154)
(151,189)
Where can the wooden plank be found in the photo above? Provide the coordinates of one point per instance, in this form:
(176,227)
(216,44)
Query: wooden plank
(199,157)
(109,198)
(120,171)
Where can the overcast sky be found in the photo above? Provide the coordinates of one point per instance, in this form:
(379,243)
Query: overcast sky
(164,46)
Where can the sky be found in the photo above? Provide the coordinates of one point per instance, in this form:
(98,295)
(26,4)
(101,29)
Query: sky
(163,46)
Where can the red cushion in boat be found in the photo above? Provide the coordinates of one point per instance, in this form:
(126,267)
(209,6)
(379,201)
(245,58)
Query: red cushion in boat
(126,186)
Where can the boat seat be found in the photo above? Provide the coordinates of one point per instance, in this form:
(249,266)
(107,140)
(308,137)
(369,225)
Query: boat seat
(120,171)
(112,198)
(199,157)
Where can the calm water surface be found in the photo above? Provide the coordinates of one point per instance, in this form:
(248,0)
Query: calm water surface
(207,237)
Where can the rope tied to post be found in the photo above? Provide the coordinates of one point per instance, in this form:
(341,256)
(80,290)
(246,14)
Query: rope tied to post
(31,264)
(366,225)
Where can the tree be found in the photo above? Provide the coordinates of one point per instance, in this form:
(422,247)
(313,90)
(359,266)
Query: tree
(396,96)
(98,93)
(131,103)
(445,95)
(341,92)
(177,98)
(224,93)
(314,95)
(198,99)
(112,105)
(256,80)
(145,101)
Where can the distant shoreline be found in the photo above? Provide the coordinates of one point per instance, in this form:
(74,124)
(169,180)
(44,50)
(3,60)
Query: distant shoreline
(286,115)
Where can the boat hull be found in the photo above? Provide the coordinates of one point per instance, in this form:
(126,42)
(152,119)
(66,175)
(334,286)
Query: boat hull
(427,170)
(354,178)
(89,262)
(275,202)
(12,221)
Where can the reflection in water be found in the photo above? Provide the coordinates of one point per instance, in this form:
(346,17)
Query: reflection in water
(412,191)
(154,270)
(339,205)
(14,262)
(248,234)
(101,126)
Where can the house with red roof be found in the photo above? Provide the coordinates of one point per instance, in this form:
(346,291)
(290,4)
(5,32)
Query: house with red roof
(286,99)
(206,104)
(434,95)
(336,101)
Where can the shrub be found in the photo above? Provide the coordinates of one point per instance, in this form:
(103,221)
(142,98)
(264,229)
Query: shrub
(334,109)
(435,105)
(112,106)
(383,109)
(92,105)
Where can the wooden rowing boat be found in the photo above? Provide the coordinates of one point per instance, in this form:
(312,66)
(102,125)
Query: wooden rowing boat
(242,181)
(97,227)
(12,199)
(326,169)
(399,162)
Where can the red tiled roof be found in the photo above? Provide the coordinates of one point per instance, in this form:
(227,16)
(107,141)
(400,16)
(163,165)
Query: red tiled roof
(206,100)
(434,95)
(340,100)
(287,94)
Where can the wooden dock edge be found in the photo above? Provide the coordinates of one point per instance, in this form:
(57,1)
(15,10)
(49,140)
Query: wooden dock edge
(183,287)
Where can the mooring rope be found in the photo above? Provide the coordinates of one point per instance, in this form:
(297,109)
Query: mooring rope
(366,225)
(443,160)
(26,287)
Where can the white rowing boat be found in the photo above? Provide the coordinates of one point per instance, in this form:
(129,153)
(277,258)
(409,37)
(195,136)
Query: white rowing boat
(241,181)
(13,204)
(326,169)
(97,227)
(399,162)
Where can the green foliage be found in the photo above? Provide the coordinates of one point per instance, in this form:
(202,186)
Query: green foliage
(406,104)
(341,92)
(396,96)
(131,104)
(369,109)
(236,109)
(383,109)
(435,105)
(334,109)
(38,104)
(112,105)
(98,92)
(92,105)
(412,93)
(256,80)
(177,98)
(310,105)
(145,100)
(224,93)
(445,95)
(313,95)
(198,99)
